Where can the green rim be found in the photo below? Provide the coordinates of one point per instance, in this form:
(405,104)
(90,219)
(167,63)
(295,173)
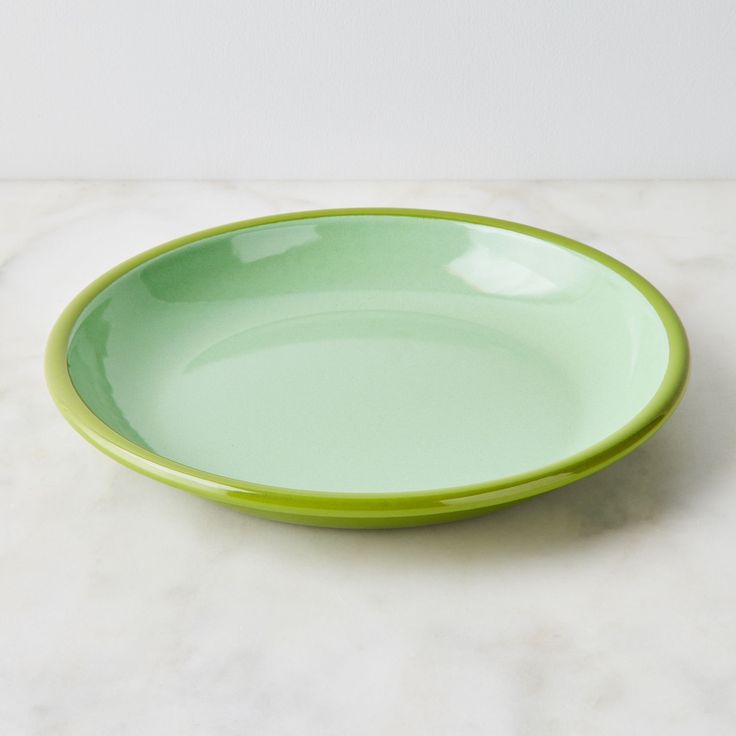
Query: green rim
(317,504)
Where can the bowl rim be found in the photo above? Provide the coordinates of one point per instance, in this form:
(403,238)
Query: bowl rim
(300,503)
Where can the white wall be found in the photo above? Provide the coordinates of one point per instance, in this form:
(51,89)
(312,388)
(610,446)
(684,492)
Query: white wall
(372,89)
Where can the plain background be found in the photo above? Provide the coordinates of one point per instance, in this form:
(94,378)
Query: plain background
(394,89)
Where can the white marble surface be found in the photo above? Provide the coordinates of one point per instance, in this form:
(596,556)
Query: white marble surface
(607,607)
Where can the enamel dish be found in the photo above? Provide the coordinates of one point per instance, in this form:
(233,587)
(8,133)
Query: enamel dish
(368,367)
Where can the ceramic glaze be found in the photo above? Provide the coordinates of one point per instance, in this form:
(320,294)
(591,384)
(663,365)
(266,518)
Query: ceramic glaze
(374,355)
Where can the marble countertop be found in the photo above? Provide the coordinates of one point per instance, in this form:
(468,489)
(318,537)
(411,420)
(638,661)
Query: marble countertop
(606,607)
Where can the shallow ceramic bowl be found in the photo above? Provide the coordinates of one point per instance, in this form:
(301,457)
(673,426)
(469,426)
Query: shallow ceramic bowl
(368,367)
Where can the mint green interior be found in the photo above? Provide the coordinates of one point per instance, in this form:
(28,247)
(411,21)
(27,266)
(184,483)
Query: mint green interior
(368,353)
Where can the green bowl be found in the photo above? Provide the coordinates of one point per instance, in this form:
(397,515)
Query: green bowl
(368,367)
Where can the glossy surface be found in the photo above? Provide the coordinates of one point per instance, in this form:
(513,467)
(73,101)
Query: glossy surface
(368,368)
